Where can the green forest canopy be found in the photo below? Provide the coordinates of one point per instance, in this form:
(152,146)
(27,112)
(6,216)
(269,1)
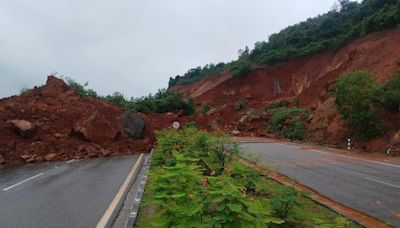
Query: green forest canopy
(330,30)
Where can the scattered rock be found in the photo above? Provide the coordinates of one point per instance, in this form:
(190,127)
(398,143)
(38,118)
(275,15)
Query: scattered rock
(134,125)
(235,132)
(58,135)
(93,154)
(54,87)
(24,128)
(214,124)
(105,152)
(29,158)
(51,157)
(204,182)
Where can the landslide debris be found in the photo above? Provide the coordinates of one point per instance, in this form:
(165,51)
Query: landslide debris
(52,122)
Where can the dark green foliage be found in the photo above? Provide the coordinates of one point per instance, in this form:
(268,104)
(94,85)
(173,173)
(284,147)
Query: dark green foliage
(284,201)
(206,109)
(24,91)
(289,122)
(245,177)
(161,102)
(240,105)
(330,30)
(197,74)
(240,68)
(391,94)
(80,89)
(279,104)
(357,97)
(187,196)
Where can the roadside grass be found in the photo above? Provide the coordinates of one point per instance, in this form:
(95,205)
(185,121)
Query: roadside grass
(196,180)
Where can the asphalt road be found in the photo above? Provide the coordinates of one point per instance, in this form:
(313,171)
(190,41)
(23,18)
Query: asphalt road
(368,185)
(60,194)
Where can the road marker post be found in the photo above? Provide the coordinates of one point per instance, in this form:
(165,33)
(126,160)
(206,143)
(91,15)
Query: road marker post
(348,144)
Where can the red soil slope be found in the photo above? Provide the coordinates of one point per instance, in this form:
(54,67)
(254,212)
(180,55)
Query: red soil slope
(308,79)
(52,122)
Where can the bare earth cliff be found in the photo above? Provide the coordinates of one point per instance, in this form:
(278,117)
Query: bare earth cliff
(307,80)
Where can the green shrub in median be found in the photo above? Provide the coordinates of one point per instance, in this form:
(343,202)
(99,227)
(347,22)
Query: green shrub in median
(190,186)
(196,183)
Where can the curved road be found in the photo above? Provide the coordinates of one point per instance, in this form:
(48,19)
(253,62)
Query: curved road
(368,185)
(60,194)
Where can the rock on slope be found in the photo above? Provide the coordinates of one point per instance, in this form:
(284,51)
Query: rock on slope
(53,122)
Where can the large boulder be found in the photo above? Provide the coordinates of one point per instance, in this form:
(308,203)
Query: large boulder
(54,87)
(97,128)
(24,128)
(134,125)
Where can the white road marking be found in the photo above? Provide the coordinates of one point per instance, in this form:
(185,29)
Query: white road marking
(382,182)
(70,161)
(111,210)
(370,161)
(359,159)
(318,151)
(21,182)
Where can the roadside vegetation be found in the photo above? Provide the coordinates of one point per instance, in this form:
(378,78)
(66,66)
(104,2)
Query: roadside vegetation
(359,100)
(196,180)
(347,20)
(289,122)
(161,102)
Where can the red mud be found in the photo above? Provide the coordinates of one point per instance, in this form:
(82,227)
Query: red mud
(307,79)
(53,122)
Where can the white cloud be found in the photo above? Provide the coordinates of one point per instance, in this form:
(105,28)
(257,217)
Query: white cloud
(132,46)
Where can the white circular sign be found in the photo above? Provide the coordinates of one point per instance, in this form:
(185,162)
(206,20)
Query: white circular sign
(175,124)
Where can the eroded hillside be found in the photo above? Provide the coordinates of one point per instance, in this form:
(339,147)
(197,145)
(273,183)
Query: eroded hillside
(305,82)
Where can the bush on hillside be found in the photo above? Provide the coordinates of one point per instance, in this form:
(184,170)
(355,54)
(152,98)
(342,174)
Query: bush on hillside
(357,97)
(240,68)
(276,105)
(161,102)
(391,93)
(289,122)
(240,105)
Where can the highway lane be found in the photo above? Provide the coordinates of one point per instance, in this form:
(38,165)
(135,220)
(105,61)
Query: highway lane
(368,185)
(60,194)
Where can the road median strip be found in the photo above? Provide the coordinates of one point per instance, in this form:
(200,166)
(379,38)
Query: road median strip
(112,211)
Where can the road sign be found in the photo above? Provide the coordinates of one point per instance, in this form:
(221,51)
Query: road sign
(176,124)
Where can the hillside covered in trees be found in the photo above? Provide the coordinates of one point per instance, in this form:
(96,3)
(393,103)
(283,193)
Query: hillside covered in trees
(328,31)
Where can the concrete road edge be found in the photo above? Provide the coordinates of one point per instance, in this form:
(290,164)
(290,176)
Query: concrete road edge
(112,211)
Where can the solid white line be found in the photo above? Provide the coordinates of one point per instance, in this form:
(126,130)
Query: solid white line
(380,163)
(359,159)
(105,219)
(382,182)
(318,151)
(72,160)
(21,182)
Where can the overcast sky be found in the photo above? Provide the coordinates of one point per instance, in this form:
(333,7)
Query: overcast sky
(132,46)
